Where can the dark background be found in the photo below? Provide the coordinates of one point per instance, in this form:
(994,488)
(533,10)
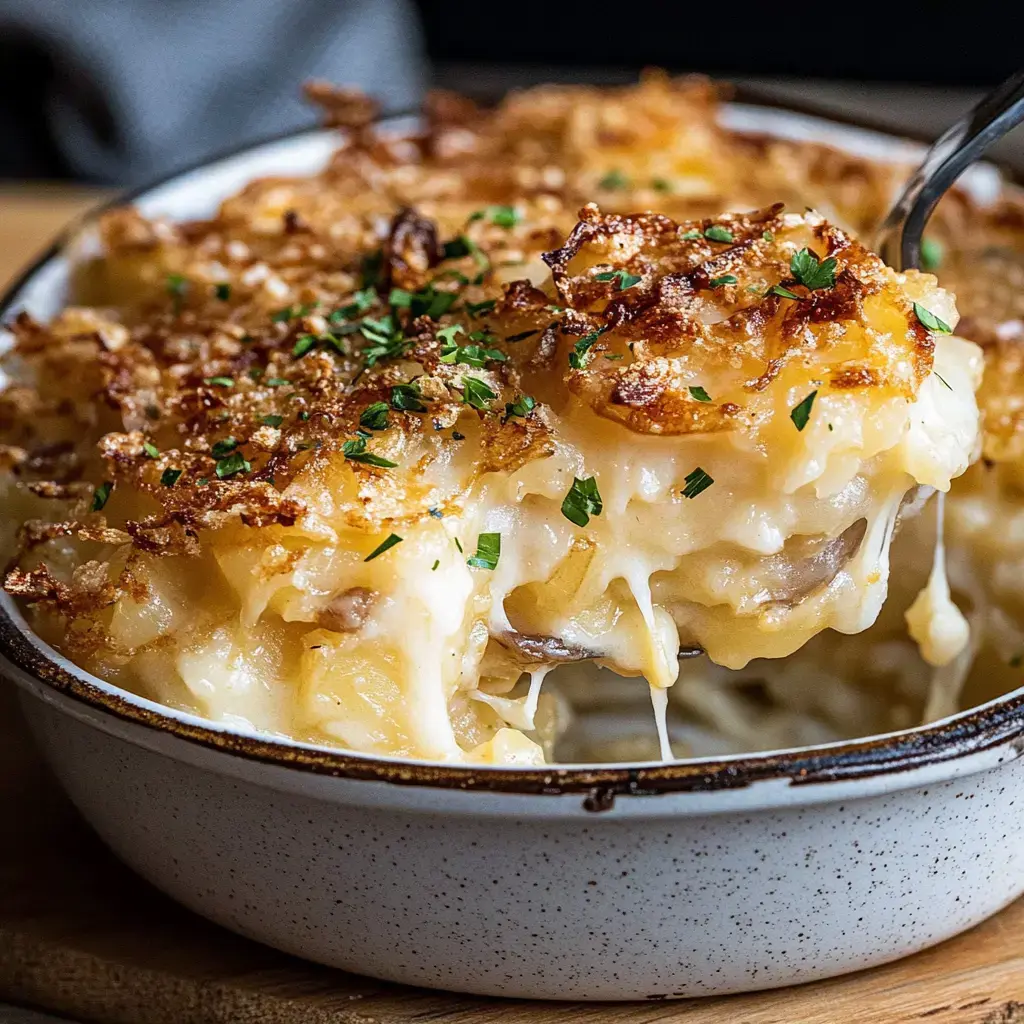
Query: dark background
(930,43)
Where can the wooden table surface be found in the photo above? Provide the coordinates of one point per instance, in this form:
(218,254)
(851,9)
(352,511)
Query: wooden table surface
(80,935)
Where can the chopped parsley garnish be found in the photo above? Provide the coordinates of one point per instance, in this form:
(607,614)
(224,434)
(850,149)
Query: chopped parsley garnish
(580,354)
(690,236)
(277,382)
(431,302)
(202,481)
(100,495)
(661,185)
(613,180)
(471,355)
(503,216)
(717,282)
(474,309)
(355,451)
(177,287)
(522,336)
(699,394)
(456,436)
(255,373)
(222,448)
(931,254)
(477,393)
(272,420)
(458,544)
(291,313)
(150,449)
(522,406)
(696,482)
(375,416)
(220,382)
(169,477)
(625,279)
(361,302)
(768,236)
(407,398)
(801,413)
(943,379)
(930,320)
(371,266)
(437,562)
(785,293)
(716,233)
(811,272)
(222,292)
(457,248)
(447,334)
(488,551)
(400,297)
(582,501)
(385,337)
(385,545)
(234,463)
(303,415)
(435,513)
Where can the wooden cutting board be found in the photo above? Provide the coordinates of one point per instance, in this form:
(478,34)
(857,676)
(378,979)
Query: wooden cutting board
(82,936)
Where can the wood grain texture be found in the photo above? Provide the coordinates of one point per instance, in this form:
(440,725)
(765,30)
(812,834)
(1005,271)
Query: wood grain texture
(81,935)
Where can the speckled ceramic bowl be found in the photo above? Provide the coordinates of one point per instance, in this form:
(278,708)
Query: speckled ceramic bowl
(611,882)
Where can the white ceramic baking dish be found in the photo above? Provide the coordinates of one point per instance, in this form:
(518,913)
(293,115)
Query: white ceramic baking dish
(599,882)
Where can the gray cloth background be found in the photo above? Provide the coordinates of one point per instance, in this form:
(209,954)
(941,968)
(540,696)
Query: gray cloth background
(127,90)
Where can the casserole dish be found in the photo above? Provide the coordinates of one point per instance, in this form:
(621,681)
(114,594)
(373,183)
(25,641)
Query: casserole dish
(704,876)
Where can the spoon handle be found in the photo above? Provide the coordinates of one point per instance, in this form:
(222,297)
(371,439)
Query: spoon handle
(899,239)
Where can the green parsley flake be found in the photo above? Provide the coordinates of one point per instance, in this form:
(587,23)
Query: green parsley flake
(580,354)
(717,282)
(716,233)
(475,309)
(305,415)
(943,379)
(699,394)
(437,562)
(690,236)
(169,477)
(625,279)
(400,297)
(471,355)
(811,272)
(696,482)
(447,334)
(222,292)
(224,447)
(407,398)
(930,320)
(292,313)
(477,393)
(177,288)
(457,544)
(582,501)
(355,451)
(151,449)
(488,551)
(385,545)
(100,495)
(661,185)
(768,236)
(277,382)
(522,406)
(613,180)
(219,382)
(272,420)
(932,253)
(502,216)
(375,416)
(361,302)
(801,413)
(784,293)
(234,463)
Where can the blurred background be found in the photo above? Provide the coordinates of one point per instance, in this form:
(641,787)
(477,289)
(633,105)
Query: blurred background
(116,92)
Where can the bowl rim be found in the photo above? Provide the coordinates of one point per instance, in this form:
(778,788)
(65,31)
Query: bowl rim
(996,723)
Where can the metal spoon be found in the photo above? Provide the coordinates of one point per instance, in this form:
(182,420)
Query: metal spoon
(899,238)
